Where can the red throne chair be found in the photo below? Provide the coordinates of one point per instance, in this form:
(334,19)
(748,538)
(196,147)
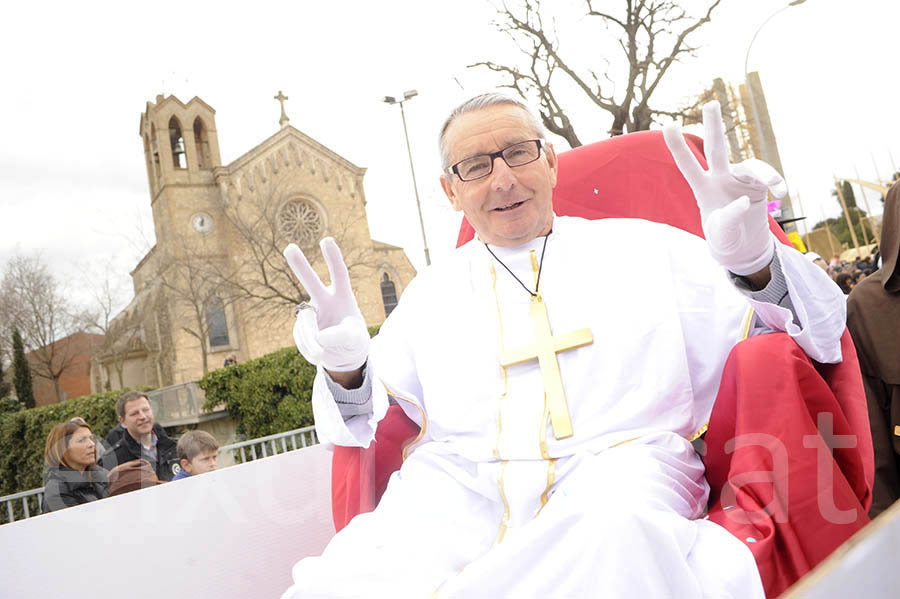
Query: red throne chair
(793,481)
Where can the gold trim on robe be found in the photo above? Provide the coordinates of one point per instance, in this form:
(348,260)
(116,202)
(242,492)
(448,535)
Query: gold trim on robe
(551,478)
(745,331)
(422,429)
(699,433)
(748,320)
(502,368)
(504,523)
(542,434)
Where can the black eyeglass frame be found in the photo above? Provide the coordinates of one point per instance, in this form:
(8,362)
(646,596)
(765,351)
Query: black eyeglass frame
(454,169)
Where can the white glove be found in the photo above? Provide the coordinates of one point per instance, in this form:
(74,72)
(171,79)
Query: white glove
(732,199)
(331,332)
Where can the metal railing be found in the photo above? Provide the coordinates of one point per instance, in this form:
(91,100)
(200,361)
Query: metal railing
(262,447)
(25,498)
(182,404)
(234,453)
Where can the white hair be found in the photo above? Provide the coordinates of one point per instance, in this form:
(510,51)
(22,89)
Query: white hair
(479,103)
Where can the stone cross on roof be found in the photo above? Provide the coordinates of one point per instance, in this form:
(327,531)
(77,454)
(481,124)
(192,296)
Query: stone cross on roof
(284,120)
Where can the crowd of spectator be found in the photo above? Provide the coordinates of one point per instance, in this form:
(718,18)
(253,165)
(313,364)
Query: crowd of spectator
(137,454)
(847,274)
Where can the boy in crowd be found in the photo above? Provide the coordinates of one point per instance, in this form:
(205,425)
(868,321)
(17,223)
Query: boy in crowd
(198,452)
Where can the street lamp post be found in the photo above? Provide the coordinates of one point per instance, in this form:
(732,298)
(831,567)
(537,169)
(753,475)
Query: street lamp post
(753,101)
(753,39)
(391,100)
(762,141)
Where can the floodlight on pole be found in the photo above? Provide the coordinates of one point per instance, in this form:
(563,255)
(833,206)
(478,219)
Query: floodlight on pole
(407,95)
(753,101)
(753,39)
(747,56)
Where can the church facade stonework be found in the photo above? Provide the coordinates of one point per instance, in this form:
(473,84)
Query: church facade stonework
(215,284)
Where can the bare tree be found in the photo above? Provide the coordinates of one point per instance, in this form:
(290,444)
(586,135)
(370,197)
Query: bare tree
(264,223)
(122,331)
(194,281)
(652,35)
(32,301)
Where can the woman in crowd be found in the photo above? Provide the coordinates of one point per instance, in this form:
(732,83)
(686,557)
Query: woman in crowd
(843,281)
(72,476)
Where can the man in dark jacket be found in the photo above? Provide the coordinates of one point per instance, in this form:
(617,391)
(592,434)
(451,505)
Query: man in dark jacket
(114,434)
(143,438)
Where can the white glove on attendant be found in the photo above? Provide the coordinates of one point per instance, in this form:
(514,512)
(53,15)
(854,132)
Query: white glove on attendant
(732,198)
(332,333)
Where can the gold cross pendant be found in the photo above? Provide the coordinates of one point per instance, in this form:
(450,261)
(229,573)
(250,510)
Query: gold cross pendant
(544,349)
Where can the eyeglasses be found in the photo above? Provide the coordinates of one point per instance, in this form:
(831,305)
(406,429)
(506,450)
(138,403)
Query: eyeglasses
(518,154)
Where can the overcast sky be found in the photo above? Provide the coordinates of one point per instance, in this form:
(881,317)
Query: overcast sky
(76,77)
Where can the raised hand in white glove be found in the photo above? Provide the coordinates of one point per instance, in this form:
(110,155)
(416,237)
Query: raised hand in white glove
(732,198)
(332,333)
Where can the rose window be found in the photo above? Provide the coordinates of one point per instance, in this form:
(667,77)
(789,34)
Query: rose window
(300,223)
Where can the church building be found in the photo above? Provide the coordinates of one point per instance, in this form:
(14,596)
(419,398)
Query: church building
(215,285)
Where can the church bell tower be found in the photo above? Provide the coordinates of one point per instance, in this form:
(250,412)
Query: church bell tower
(181,149)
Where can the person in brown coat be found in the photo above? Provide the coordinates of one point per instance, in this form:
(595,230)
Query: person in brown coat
(131,476)
(873,317)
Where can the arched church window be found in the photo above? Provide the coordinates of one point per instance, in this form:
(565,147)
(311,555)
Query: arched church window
(300,222)
(388,294)
(149,158)
(176,140)
(216,323)
(201,140)
(154,148)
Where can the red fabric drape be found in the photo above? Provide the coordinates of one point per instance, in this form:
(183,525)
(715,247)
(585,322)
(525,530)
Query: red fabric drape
(775,485)
(360,476)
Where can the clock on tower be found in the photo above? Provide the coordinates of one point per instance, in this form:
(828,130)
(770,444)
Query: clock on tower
(202,222)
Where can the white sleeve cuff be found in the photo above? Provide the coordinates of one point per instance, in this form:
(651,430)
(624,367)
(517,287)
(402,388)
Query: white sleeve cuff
(814,313)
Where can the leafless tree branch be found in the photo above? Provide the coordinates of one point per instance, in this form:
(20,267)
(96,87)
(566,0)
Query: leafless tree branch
(33,302)
(652,36)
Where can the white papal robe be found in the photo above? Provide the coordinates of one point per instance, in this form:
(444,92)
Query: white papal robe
(488,503)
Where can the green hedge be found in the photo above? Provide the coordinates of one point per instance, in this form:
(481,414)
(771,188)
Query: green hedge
(23,437)
(267,395)
(10,404)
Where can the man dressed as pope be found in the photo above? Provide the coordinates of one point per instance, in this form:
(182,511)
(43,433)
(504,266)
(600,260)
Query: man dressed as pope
(555,410)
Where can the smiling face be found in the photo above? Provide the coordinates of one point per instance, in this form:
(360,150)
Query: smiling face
(138,420)
(80,449)
(511,206)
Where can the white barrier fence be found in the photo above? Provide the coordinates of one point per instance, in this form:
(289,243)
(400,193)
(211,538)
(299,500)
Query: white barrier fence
(235,532)
(234,453)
